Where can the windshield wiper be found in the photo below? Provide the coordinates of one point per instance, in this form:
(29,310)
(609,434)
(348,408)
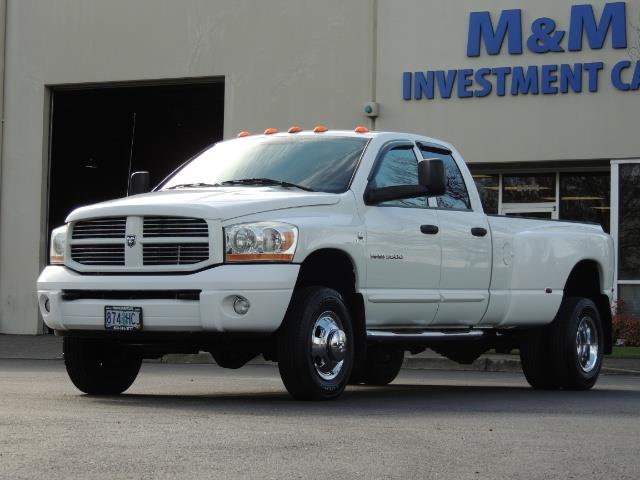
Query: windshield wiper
(194,185)
(266,181)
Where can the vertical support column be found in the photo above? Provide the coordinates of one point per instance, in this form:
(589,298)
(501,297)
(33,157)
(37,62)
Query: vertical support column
(613,220)
(3,29)
(374,58)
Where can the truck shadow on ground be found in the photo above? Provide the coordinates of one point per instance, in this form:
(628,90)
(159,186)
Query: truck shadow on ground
(397,400)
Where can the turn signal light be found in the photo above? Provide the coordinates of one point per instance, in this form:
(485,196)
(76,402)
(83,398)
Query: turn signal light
(320,129)
(270,131)
(294,130)
(361,129)
(243,134)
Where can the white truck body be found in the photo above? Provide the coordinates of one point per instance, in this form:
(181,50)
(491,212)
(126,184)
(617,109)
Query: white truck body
(513,276)
(501,280)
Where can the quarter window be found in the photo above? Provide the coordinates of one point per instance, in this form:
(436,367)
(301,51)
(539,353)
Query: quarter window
(399,166)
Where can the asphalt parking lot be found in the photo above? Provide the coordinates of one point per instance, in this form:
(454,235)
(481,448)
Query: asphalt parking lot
(200,421)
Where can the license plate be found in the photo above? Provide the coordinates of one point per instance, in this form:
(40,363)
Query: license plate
(123,318)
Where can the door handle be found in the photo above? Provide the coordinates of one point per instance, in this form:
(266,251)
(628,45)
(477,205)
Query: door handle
(429,229)
(478,232)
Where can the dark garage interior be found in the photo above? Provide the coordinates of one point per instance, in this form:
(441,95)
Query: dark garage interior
(99,134)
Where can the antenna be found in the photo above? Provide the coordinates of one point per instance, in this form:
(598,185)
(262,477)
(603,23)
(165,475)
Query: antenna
(133,136)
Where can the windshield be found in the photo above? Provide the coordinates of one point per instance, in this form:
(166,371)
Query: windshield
(324,164)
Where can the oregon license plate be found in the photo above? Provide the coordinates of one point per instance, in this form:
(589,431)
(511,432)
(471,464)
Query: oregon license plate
(123,318)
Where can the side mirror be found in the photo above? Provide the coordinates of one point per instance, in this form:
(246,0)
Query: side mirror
(432,182)
(431,174)
(139,183)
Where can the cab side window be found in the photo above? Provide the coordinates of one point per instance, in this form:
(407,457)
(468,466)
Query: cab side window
(399,166)
(456,196)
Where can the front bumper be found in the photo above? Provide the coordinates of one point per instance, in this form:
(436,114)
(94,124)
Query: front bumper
(267,287)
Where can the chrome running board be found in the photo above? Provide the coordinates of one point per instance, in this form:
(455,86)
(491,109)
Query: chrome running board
(423,335)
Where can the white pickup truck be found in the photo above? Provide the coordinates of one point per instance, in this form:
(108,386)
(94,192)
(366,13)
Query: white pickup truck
(332,253)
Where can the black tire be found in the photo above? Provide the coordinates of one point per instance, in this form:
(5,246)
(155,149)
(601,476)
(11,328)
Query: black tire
(300,372)
(537,363)
(382,365)
(98,368)
(570,373)
(549,355)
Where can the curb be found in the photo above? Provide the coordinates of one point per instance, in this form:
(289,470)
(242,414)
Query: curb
(480,365)
(483,364)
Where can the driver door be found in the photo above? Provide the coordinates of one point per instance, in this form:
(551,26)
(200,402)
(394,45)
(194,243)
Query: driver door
(403,249)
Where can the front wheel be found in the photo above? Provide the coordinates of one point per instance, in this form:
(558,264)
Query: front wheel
(99,368)
(315,345)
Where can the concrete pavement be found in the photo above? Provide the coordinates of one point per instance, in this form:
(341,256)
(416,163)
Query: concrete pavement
(200,421)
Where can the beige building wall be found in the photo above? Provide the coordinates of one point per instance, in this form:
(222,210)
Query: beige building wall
(417,35)
(285,62)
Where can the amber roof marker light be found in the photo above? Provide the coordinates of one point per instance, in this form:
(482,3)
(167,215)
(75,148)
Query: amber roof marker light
(271,131)
(244,134)
(361,129)
(294,129)
(320,129)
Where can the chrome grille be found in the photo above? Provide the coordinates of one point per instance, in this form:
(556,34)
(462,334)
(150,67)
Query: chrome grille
(98,254)
(175,253)
(112,227)
(162,227)
(138,243)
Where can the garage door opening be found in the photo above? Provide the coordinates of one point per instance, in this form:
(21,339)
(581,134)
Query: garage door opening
(99,135)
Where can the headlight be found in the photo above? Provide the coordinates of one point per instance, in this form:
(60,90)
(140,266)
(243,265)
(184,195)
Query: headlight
(260,242)
(58,245)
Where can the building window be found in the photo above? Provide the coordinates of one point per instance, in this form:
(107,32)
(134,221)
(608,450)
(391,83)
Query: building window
(489,189)
(629,223)
(533,188)
(585,197)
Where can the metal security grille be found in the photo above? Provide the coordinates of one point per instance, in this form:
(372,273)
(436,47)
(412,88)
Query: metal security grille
(162,227)
(102,254)
(113,227)
(138,243)
(175,254)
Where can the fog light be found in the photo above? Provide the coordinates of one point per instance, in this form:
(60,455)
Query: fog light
(241,305)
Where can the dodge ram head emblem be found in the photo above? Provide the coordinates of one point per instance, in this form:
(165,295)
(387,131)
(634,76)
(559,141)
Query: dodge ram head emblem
(131,240)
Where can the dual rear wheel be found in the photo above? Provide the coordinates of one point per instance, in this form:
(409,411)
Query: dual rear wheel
(567,353)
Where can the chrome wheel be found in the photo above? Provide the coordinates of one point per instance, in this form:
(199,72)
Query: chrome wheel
(587,344)
(328,345)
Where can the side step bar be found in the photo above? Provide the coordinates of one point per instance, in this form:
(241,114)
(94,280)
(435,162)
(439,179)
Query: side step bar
(423,335)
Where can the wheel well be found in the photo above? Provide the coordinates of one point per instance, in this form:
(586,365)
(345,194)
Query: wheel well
(328,268)
(584,281)
(334,268)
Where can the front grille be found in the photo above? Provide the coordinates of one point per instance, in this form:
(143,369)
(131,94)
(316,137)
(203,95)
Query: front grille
(99,254)
(138,243)
(113,227)
(175,253)
(162,227)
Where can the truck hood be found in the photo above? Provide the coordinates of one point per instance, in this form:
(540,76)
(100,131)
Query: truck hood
(211,203)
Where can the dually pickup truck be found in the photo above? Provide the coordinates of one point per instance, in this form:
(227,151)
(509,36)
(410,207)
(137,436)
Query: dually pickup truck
(332,253)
